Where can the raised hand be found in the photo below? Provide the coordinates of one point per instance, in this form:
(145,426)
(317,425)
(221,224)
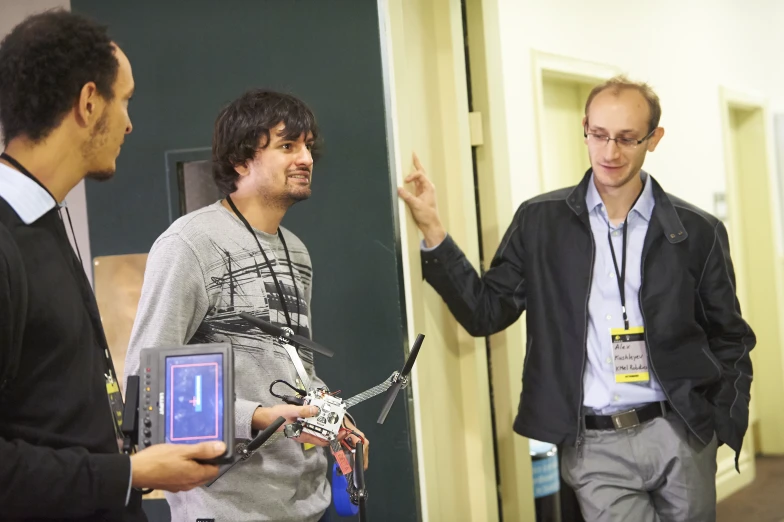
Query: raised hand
(423,205)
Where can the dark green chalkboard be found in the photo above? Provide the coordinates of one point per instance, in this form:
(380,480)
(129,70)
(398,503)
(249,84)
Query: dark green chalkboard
(191,57)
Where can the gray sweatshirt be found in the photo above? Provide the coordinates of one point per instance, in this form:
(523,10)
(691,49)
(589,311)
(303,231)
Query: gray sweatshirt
(201,272)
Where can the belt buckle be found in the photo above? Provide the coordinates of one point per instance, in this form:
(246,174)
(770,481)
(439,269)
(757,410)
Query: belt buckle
(626,419)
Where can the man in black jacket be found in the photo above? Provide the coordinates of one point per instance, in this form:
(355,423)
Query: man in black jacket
(637,360)
(64,93)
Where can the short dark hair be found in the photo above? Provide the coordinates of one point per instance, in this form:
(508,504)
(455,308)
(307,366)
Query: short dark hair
(44,63)
(618,83)
(243,128)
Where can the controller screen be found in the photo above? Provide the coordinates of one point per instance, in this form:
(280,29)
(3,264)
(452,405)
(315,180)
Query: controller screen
(194,398)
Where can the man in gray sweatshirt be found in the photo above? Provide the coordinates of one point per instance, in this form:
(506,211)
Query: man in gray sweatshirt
(230,257)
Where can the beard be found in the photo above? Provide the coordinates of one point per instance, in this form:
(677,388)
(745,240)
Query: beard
(100,175)
(92,149)
(287,200)
(299,195)
(296,193)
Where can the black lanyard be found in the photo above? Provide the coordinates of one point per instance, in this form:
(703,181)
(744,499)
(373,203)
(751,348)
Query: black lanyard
(26,172)
(621,276)
(269,265)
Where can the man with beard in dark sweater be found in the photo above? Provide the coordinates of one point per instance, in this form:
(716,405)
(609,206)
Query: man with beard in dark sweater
(64,93)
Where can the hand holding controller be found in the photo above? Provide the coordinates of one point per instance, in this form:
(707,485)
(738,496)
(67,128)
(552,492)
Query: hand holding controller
(175,467)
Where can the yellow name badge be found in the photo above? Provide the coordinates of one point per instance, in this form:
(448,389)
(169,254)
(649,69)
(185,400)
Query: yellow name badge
(115,400)
(112,387)
(630,355)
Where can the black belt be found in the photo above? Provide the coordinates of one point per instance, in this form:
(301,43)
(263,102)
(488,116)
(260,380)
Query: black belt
(629,418)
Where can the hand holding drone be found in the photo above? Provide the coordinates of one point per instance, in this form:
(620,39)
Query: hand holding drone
(328,422)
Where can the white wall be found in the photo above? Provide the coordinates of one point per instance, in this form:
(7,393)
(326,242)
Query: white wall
(14,11)
(11,13)
(684,49)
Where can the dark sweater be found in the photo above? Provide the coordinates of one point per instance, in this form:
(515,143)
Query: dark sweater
(58,451)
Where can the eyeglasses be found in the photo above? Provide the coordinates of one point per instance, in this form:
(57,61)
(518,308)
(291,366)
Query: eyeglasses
(624,143)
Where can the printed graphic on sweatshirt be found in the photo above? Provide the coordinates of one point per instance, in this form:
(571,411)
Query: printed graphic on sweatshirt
(245,284)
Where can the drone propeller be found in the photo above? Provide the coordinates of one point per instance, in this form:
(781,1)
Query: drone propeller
(400,379)
(277,331)
(359,478)
(391,396)
(245,451)
(265,434)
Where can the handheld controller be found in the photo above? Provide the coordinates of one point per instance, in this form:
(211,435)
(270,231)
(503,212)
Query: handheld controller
(186,396)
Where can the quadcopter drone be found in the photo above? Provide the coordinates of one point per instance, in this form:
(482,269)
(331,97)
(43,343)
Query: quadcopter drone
(328,422)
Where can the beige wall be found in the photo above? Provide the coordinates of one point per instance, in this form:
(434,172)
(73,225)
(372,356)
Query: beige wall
(429,116)
(11,13)
(507,349)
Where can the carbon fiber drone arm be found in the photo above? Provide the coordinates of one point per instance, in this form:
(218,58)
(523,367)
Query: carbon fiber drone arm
(372,392)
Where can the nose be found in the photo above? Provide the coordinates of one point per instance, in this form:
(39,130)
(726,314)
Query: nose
(304,158)
(129,127)
(611,150)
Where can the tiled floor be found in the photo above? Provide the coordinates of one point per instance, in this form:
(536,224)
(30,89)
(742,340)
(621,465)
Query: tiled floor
(762,501)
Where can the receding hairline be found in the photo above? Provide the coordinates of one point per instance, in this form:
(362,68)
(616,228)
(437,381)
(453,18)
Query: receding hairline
(123,61)
(616,92)
(618,84)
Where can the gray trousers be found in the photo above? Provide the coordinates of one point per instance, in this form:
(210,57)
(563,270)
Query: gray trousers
(656,472)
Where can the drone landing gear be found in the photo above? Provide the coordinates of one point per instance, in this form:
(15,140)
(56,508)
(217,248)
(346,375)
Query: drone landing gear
(359,493)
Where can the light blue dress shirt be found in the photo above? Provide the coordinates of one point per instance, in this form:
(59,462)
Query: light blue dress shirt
(28,199)
(601,392)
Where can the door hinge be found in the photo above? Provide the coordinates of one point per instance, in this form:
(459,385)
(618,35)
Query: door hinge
(475,128)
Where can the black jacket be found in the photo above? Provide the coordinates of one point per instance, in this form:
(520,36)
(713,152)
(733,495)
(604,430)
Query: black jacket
(697,340)
(58,452)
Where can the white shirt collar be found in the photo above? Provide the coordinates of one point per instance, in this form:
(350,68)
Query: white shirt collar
(29,200)
(643,206)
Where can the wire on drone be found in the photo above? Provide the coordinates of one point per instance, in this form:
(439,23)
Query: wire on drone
(288,399)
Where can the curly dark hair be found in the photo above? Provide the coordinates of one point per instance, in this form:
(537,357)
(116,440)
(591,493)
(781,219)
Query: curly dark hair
(44,63)
(243,128)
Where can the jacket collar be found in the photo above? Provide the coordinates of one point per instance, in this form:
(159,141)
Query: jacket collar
(663,209)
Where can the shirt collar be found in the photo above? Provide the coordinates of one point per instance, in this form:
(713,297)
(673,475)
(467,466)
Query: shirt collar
(29,200)
(643,207)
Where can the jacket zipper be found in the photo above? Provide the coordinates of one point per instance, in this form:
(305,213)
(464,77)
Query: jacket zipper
(711,360)
(650,355)
(579,441)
